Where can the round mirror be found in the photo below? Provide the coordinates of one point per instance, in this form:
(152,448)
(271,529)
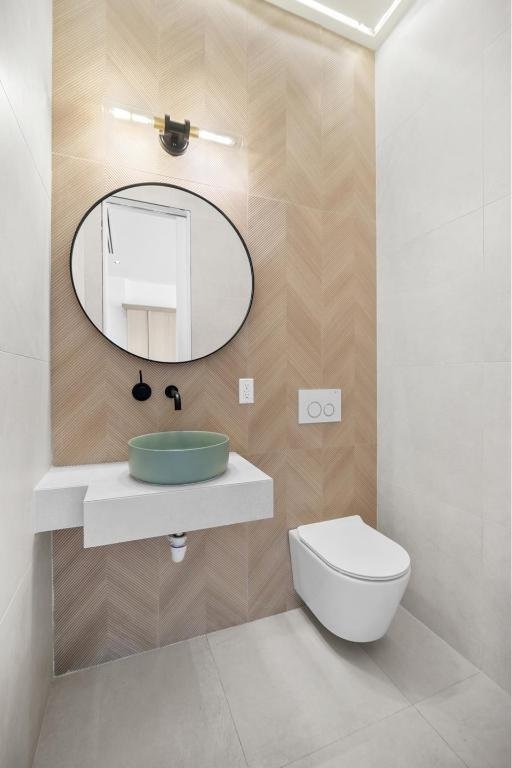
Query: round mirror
(161,272)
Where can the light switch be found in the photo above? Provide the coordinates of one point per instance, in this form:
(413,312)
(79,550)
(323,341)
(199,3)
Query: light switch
(319,405)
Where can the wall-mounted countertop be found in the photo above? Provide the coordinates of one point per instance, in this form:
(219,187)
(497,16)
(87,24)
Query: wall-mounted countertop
(112,506)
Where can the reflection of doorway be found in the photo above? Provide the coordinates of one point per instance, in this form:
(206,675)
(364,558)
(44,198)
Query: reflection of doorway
(146,278)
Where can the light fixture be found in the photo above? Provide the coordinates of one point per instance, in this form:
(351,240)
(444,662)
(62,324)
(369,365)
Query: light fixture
(174,136)
(348,20)
(336,15)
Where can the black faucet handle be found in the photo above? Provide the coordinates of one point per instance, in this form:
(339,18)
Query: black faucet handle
(173,392)
(141,390)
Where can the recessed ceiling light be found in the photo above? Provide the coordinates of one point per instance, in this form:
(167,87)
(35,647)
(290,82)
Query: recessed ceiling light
(348,20)
(336,15)
(390,11)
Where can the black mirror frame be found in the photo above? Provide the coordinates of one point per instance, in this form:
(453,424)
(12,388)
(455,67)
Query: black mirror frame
(182,189)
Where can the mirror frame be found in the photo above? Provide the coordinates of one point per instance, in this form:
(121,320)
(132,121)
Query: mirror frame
(182,189)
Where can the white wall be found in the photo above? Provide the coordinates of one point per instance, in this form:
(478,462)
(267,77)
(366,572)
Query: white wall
(25,152)
(443,224)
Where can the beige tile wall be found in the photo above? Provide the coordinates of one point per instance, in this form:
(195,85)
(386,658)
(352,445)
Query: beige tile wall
(301,190)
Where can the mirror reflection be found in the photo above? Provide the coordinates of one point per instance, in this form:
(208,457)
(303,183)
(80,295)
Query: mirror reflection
(162,273)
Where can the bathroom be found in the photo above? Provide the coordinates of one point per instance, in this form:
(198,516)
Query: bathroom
(256,508)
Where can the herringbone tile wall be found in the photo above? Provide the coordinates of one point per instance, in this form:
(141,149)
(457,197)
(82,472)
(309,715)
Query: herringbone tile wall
(301,190)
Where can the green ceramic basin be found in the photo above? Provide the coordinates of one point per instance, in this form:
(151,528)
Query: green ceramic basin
(172,458)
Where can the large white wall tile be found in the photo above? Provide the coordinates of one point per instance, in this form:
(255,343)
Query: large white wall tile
(496,443)
(444,543)
(435,37)
(497,245)
(495,616)
(497,118)
(430,426)
(25,242)
(448,255)
(429,171)
(443,316)
(25,73)
(496,285)
(496,19)
(25,660)
(24,458)
(25,560)
(497,326)
(431,325)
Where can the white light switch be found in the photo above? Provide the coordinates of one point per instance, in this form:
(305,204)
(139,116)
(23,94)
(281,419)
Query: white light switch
(245,391)
(319,405)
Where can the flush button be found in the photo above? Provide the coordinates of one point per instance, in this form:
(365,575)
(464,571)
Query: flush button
(314,409)
(319,405)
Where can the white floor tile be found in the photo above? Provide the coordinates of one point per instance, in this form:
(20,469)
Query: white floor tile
(158,709)
(417,660)
(291,692)
(403,740)
(473,717)
(293,687)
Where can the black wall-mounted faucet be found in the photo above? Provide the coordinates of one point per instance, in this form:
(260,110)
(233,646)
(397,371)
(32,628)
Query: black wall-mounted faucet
(141,390)
(173,392)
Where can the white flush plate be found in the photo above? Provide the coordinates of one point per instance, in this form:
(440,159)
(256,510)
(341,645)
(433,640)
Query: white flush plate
(319,405)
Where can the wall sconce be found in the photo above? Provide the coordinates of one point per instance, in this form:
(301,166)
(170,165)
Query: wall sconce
(174,136)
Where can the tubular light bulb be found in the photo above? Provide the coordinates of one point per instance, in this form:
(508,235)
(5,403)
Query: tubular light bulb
(390,11)
(348,20)
(218,138)
(135,117)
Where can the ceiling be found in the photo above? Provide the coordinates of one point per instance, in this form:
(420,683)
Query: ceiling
(365,20)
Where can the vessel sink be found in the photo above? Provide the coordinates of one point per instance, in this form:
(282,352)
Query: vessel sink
(172,458)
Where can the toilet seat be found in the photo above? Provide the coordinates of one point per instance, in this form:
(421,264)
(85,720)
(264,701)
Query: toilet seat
(355,549)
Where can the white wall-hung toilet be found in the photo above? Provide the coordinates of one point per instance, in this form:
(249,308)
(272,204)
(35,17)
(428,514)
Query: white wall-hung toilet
(350,576)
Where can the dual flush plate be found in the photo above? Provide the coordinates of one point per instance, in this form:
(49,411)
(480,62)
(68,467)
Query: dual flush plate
(319,405)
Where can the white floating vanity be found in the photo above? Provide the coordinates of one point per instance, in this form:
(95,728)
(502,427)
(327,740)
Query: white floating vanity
(113,507)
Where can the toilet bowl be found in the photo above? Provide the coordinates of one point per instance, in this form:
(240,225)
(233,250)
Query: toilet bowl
(349,575)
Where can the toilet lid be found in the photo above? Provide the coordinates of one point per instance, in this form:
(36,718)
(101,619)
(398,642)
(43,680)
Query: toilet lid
(350,546)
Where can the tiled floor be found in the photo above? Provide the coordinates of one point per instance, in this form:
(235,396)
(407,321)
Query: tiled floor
(281,691)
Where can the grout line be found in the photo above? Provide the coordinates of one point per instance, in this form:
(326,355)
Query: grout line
(43,717)
(16,590)
(408,705)
(106,164)
(442,737)
(23,355)
(420,235)
(118,659)
(393,683)
(444,642)
(226,697)
(346,736)
(438,363)
(447,688)
(47,190)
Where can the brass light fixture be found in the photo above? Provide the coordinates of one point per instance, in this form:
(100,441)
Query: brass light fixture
(174,136)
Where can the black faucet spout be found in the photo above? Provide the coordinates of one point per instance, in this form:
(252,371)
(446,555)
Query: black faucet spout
(173,392)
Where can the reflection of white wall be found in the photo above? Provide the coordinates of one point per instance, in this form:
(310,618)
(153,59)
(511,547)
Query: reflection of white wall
(221,283)
(144,262)
(150,294)
(220,277)
(88,266)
